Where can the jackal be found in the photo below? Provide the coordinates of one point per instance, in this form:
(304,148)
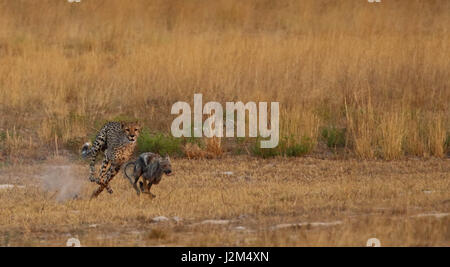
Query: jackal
(151,167)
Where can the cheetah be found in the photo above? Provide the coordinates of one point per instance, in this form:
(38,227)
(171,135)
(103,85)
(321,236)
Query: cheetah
(117,140)
(151,167)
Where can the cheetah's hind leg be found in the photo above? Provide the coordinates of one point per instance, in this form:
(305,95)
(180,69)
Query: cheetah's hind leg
(100,189)
(97,191)
(103,172)
(104,182)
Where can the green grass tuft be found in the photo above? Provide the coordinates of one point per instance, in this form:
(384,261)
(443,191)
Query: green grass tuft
(334,137)
(159,143)
(288,146)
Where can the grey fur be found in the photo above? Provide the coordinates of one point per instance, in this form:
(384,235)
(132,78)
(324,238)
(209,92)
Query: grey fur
(151,167)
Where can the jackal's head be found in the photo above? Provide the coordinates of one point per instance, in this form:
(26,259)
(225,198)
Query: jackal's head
(165,165)
(132,130)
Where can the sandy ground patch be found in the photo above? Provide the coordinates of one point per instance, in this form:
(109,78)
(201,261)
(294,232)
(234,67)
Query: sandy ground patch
(280,202)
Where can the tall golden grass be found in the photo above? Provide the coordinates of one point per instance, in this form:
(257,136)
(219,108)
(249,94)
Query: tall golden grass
(380,70)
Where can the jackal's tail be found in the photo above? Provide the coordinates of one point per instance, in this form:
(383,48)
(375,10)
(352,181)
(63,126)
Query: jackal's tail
(125,170)
(86,150)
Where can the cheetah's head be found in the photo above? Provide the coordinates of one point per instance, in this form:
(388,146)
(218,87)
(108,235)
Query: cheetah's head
(132,130)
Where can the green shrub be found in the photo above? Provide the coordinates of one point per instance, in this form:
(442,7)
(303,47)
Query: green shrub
(159,143)
(334,137)
(297,149)
(264,152)
(193,140)
(287,146)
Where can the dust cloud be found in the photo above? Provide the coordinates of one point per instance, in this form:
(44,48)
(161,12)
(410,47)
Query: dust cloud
(62,180)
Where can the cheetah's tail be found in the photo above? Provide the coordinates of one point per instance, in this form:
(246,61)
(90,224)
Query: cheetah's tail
(86,150)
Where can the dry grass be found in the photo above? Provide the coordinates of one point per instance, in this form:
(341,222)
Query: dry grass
(366,67)
(213,149)
(377,72)
(370,199)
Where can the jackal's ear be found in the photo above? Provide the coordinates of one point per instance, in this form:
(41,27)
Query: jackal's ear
(167,156)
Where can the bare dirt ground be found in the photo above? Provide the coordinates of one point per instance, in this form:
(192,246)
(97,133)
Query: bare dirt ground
(234,201)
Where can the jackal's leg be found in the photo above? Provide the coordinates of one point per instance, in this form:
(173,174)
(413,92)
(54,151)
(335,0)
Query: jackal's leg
(137,173)
(134,184)
(145,187)
(142,187)
(149,185)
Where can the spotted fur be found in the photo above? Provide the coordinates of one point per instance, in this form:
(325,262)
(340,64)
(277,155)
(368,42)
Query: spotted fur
(117,140)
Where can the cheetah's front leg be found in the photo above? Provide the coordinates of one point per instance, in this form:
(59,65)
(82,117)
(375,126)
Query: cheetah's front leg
(92,171)
(100,180)
(104,183)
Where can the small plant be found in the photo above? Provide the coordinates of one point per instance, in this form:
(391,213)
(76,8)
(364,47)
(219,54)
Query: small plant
(2,136)
(287,146)
(334,137)
(298,149)
(447,143)
(264,152)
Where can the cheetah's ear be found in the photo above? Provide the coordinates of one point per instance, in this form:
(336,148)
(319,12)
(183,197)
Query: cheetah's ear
(122,125)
